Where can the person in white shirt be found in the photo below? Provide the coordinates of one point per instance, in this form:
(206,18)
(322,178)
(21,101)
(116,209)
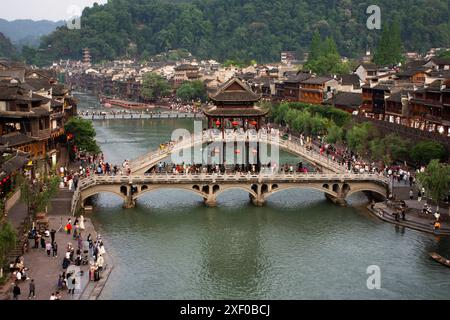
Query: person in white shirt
(53,297)
(100,262)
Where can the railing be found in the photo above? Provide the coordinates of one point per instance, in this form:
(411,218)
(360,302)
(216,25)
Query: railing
(192,178)
(167,178)
(293,145)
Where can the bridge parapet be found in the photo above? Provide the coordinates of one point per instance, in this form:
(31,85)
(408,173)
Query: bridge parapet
(336,186)
(145,162)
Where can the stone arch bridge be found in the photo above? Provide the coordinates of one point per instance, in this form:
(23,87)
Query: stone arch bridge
(148,161)
(336,187)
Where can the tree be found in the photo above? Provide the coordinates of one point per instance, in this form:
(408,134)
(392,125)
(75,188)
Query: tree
(155,86)
(425,151)
(435,180)
(389,148)
(316,47)
(334,133)
(192,90)
(389,50)
(8,239)
(359,137)
(324,57)
(37,196)
(81,133)
(444,54)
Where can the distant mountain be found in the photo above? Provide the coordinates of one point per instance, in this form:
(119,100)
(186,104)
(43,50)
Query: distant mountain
(243,29)
(7,50)
(27,32)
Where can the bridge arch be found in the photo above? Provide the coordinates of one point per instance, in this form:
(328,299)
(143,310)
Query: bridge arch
(86,194)
(187,188)
(231,187)
(311,187)
(380,190)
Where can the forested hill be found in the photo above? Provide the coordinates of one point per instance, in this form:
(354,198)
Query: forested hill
(7,50)
(243,29)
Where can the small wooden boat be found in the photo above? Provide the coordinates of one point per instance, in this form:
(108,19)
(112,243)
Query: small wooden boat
(440,259)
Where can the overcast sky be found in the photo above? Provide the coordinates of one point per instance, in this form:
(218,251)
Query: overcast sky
(42,9)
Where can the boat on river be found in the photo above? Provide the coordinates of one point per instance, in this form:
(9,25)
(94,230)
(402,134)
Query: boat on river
(440,259)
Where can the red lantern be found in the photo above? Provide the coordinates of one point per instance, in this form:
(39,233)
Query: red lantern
(237,151)
(254,123)
(217,123)
(235,123)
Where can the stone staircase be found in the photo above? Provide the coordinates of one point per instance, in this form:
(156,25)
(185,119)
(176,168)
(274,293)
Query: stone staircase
(61,204)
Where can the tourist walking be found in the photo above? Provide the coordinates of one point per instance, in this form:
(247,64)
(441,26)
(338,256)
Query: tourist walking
(82,223)
(32,293)
(69,226)
(419,196)
(16,291)
(411,194)
(52,235)
(55,250)
(48,247)
(42,242)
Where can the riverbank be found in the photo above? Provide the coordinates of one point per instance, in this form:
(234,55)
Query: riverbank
(413,220)
(45,270)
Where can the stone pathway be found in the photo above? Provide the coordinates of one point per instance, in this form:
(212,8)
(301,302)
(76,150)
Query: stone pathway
(414,220)
(46,270)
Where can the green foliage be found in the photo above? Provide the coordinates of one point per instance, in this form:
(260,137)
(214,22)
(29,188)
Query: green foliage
(252,29)
(192,90)
(425,151)
(444,54)
(155,86)
(83,135)
(309,119)
(7,49)
(389,148)
(340,117)
(435,180)
(389,51)
(38,196)
(8,240)
(324,57)
(335,133)
(359,136)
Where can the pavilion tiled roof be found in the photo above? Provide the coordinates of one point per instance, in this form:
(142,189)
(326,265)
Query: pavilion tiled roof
(223,94)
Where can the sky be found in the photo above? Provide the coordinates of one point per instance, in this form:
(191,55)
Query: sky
(53,10)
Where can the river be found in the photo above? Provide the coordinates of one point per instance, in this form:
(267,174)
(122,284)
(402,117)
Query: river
(298,246)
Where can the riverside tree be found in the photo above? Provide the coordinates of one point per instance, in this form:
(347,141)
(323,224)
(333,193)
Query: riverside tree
(81,134)
(155,86)
(435,180)
(192,90)
(8,240)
